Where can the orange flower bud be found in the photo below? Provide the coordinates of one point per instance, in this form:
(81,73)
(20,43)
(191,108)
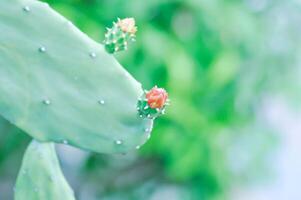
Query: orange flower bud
(156,97)
(127,25)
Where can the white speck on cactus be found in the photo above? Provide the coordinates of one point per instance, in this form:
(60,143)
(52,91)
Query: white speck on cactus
(101,102)
(118,142)
(46,102)
(92,55)
(26,8)
(42,49)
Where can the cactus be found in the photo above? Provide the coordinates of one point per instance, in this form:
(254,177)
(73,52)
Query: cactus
(40,177)
(58,85)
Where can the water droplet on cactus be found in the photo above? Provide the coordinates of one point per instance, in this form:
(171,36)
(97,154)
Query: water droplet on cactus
(42,49)
(101,102)
(92,55)
(26,8)
(118,142)
(138,147)
(65,141)
(46,102)
(146,130)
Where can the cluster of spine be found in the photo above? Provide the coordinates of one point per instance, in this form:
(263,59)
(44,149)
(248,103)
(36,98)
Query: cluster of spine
(118,37)
(153,103)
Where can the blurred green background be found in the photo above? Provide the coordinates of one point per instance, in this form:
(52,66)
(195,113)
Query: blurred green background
(223,62)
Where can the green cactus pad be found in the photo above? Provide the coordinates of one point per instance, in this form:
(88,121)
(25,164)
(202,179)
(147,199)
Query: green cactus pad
(58,85)
(40,177)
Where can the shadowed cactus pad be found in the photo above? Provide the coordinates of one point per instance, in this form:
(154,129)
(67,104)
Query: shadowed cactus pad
(40,177)
(58,85)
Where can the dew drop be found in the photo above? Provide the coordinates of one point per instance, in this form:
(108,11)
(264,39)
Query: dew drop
(42,49)
(65,141)
(92,55)
(101,102)
(146,130)
(138,147)
(118,142)
(26,8)
(46,102)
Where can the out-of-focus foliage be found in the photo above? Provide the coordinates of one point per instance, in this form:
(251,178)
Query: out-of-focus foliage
(217,59)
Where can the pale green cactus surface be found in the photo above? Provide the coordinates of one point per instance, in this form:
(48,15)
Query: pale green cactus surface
(40,177)
(58,85)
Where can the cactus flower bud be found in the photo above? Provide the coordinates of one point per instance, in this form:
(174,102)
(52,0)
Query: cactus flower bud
(120,35)
(127,25)
(156,97)
(152,104)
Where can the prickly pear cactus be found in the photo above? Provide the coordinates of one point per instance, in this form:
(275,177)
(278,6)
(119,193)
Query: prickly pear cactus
(58,85)
(40,177)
